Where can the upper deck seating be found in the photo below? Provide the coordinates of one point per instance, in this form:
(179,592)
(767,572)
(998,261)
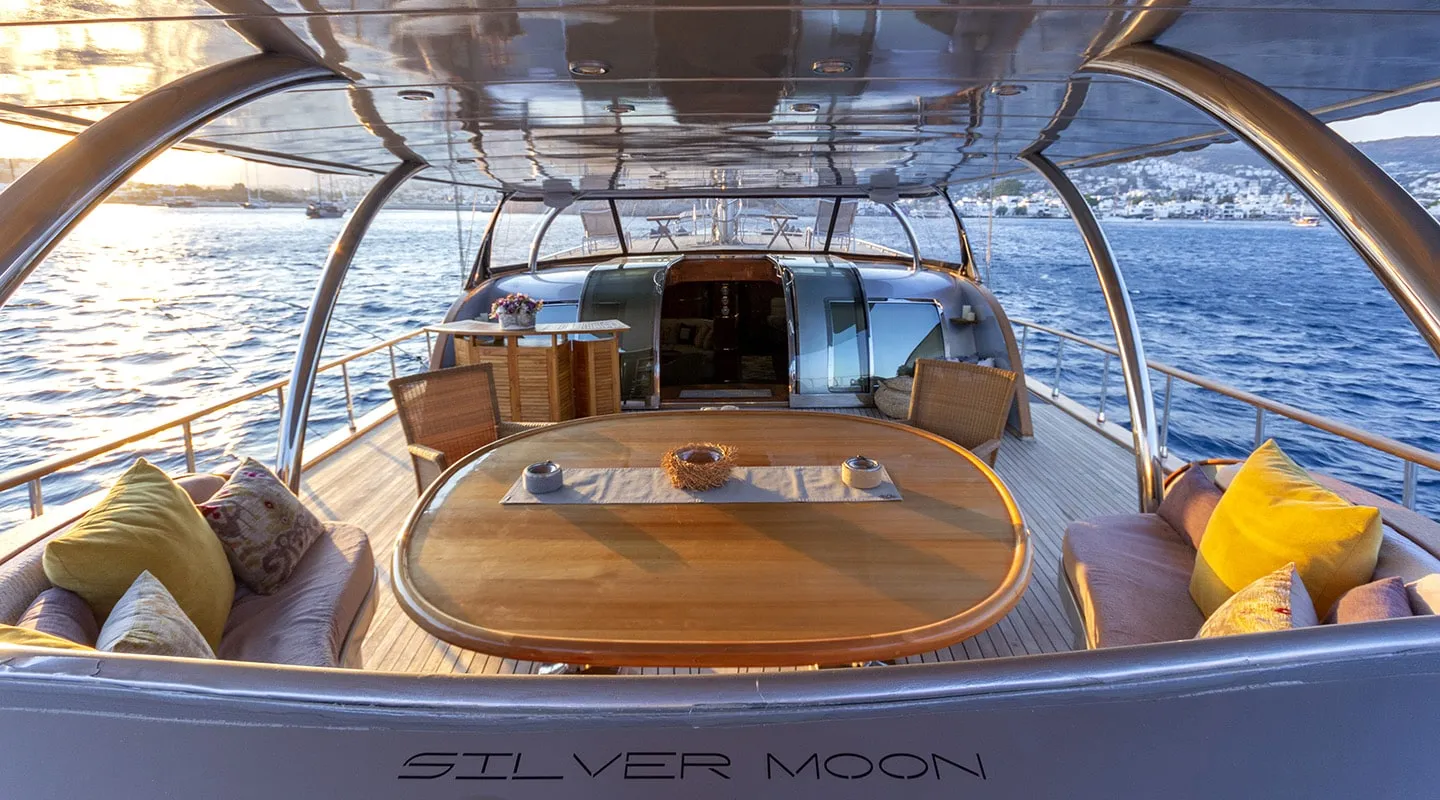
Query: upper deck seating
(317,618)
(1129,574)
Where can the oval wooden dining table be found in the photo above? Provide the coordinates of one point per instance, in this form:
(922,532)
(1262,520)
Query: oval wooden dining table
(715,584)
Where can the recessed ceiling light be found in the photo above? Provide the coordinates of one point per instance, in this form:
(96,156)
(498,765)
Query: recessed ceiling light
(1007,89)
(979,155)
(619,108)
(464,161)
(588,68)
(416,95)
(831,66)
(805,108)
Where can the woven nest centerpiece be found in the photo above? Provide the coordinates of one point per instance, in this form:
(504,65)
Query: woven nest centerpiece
(699,466)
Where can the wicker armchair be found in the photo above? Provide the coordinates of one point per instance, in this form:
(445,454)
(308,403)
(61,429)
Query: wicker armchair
(966,403)
(446,414)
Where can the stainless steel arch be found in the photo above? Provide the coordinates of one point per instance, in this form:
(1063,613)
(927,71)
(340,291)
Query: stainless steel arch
(46,202)
(1148,468)
(289,459)
(1392,232)
(534,257)
(909,235)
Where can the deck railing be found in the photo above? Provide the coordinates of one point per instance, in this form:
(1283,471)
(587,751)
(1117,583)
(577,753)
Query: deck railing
(32,474)
(1411,457)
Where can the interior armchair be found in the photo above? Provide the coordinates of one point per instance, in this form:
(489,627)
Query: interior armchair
(446,414)
(966,403)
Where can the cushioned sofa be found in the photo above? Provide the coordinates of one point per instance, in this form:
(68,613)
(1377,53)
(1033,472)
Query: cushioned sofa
(1127,577)
(317,618)
(688,350)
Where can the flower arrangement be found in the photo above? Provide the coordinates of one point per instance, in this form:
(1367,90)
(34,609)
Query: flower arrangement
(516,310)
(515,304)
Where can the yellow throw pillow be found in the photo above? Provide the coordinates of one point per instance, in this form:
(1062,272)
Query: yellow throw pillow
(1274,513)
(10,634)
(146,522)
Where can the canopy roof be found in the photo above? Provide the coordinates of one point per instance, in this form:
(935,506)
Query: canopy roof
(812,93)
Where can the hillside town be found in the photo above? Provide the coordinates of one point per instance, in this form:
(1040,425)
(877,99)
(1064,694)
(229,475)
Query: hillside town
(1224,183)
(1221,183)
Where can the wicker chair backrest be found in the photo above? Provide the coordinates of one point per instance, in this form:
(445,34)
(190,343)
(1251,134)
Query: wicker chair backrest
(452,410)
(966,403)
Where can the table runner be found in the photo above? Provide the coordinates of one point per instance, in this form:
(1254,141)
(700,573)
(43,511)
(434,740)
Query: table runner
(650,485)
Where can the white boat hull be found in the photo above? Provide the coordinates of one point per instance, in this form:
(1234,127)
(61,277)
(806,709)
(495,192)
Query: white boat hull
(1319,713)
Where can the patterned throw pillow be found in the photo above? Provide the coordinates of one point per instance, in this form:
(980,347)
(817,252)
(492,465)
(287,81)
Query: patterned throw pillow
(263,526)
(147,620)
(1274,602)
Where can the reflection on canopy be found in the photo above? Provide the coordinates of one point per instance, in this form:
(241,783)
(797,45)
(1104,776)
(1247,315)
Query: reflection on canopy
(777,93)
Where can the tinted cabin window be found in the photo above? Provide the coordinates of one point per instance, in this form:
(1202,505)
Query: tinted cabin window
(631,296)
(847,346)
(903,333)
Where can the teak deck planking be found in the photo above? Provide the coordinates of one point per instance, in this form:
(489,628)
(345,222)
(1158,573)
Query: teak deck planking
(1066,472)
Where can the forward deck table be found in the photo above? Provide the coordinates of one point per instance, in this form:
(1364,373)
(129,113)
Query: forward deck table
(713,584)
(663,232)
(780,223)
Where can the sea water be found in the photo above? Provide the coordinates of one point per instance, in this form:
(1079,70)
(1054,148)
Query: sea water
(142,312)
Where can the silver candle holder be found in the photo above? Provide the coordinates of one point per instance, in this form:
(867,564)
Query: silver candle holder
(861,472)
(543,477)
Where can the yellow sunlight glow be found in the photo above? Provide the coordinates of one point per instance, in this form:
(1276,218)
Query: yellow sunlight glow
(170,167)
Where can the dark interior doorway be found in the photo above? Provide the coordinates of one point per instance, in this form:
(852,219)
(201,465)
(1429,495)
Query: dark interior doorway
(722,334)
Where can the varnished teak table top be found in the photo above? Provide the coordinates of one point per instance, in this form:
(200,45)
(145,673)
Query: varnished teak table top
(715,584)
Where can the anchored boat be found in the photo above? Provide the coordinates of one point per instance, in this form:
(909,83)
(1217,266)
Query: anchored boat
(746,488)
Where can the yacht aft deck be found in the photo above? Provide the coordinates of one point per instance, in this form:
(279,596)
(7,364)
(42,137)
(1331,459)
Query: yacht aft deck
(1066,471)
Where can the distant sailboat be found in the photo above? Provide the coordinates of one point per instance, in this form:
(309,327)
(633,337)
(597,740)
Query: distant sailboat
(255,200)
(320,208)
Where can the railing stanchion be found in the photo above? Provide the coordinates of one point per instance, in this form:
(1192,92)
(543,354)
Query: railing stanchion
(1259,426)
(1407,493)
(1059,362)
(393,372)
(1024,336)
(349,402)
(429,348)
(280,399)
(37,499)
(1104,384)
(1165,417)
(189,447)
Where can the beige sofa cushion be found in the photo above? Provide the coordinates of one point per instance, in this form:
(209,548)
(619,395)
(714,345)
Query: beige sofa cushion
(60,612)
(1131,578)
(305,622)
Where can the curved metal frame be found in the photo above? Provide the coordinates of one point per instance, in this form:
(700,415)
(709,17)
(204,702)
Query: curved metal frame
(909,234)
(1149,469)
(965,251)
(289,459)
(1390,230)
(480,268)
(540,234)
(42,206)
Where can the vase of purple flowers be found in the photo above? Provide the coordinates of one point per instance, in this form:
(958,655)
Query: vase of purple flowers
(516,311)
